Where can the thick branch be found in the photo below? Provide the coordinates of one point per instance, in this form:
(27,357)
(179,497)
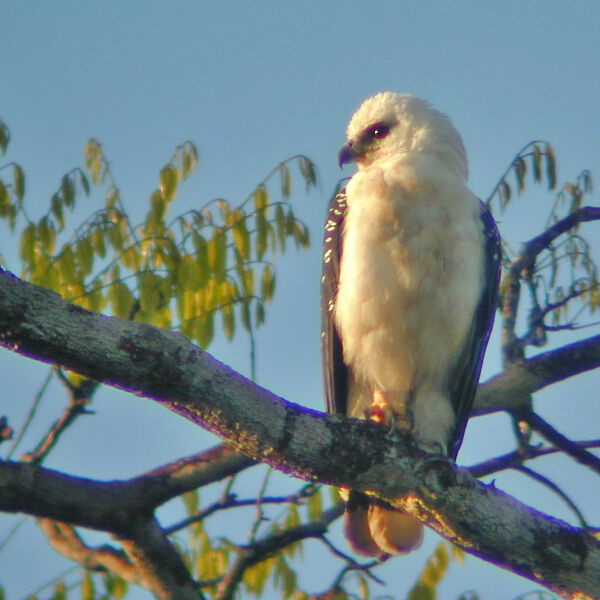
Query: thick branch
(112,506)
(167,368)
(511,389)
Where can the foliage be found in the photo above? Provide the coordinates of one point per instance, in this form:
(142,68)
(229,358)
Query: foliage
(177,272)
(562,281)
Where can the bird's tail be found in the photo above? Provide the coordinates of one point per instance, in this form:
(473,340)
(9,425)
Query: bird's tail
(375,530)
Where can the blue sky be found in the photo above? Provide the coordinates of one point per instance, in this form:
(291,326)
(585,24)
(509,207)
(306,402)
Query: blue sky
(251,84)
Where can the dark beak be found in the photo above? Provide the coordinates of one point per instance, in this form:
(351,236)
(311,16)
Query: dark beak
(347,154)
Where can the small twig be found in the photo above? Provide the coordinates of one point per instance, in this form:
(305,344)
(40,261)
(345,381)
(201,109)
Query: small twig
(257,551)
(516,458)
(80,397)
(65,540)
(581,455)
(352,564)
(225,503)
(260,515)
(30,414)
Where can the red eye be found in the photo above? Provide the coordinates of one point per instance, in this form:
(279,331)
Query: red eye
(378,131)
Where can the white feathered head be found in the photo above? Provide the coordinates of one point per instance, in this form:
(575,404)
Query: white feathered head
(389,124)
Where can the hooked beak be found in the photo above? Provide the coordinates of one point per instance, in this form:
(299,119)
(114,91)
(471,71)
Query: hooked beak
(347,154)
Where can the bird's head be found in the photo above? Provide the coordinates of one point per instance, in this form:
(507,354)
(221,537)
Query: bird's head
(390,124)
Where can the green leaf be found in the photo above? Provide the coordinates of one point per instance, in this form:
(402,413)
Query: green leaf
(56,206)
(260,313)
(315,505)
(122,300)
(4,197)
(308,171)
(191,501)
(241,237)
(536,161)
(60,591)
(261,199)
(204,329)
(285,180)
(4,137)
(550,167)
(26,248)
(284,577)
(262,230)
(217,254)
(84,254)
(94,160)
(224,209)
(67,190)
(280,222)
(148,291)
(228,319)
(267,284)
(112,197)
(19,182)
(46,234)
(84,182)
(247,278)
(246,319)
(520,168)
(97,237)
(169,178)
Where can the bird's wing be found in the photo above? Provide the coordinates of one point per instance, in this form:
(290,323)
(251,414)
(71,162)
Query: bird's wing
(466,375)
(335,372)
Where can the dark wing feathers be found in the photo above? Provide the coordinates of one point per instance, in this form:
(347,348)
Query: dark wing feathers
(335,372)
(466,377)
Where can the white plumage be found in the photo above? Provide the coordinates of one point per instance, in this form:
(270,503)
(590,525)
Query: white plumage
(412,281)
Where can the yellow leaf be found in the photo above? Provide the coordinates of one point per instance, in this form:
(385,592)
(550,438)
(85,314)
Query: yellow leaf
(228,319)
(87,586)
(217,254)
(315,505)
(169,178)
(267,284)
(261,199)
(46,234)
(98,242)
(280,223)
(85,255)
(26,251)
(241,238)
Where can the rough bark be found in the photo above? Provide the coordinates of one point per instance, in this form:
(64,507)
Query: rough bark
(168,369)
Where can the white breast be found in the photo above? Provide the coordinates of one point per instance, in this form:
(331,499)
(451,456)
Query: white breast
(410,280)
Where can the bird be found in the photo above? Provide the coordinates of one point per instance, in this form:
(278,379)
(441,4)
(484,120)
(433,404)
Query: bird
(409,289)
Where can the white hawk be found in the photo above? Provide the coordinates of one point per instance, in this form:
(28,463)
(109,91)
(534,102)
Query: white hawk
(411,262)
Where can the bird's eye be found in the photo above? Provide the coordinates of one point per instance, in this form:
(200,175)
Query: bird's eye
(378,131)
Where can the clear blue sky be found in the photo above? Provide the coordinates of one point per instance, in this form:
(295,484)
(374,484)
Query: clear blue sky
(253,83)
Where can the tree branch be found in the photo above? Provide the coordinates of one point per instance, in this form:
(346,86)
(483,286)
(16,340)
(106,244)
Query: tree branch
(524,263)
(510,389)
(581,455)
(170,370)
(112,506)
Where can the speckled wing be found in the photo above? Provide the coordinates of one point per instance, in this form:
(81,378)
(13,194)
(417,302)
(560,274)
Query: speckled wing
(335,372)
(468,369)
